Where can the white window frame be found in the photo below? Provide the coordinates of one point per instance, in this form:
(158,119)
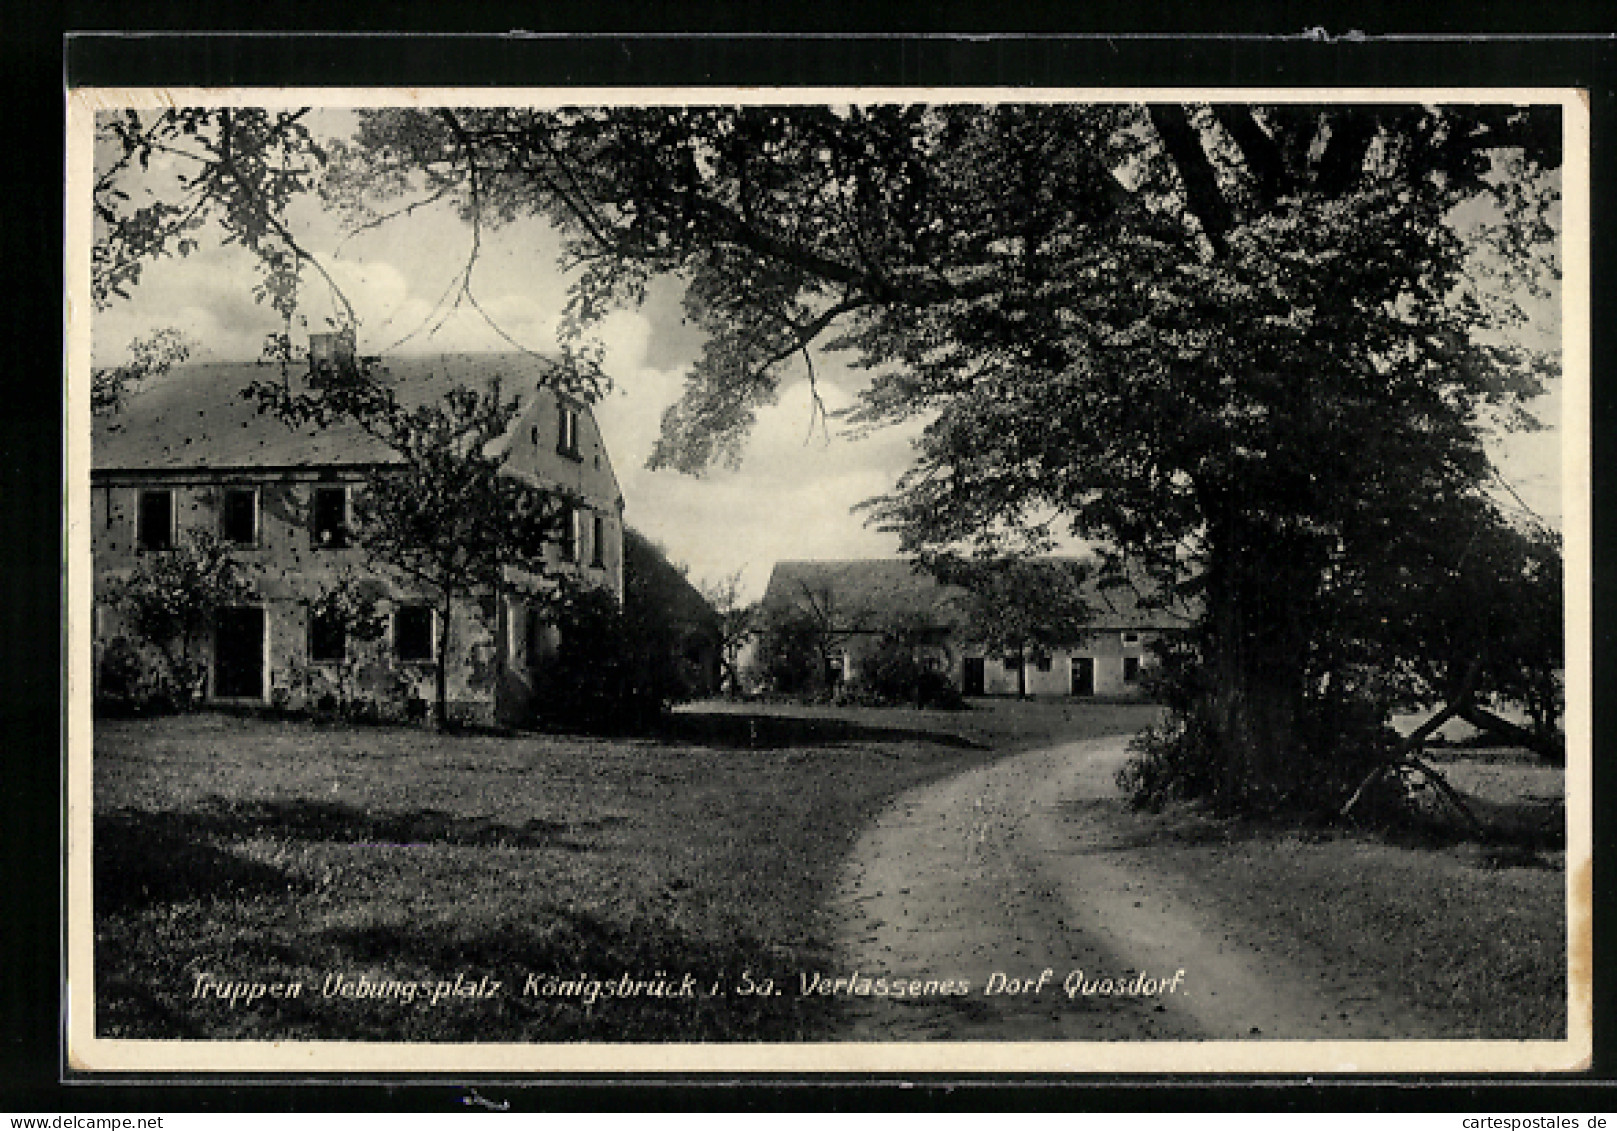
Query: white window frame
(567,430)
(1131,639)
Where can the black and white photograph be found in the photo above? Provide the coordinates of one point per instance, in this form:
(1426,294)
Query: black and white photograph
(828,580)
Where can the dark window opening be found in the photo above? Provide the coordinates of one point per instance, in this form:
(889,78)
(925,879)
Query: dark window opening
(238,517)
(536,635)
(331,518)
(598,541)
(328,640)
(1131,669)
(155,522)
(569,534)
(1043,663)
(567,430)
(412,632)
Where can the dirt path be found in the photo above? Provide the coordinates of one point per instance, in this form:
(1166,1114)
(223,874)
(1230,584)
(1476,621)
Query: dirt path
(1022,867)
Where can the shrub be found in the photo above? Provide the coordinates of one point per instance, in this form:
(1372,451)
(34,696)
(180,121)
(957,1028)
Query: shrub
(1337,742)
(895,674)
(129,683)
(598,678)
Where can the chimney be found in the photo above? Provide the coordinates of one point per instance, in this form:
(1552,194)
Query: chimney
(329,353)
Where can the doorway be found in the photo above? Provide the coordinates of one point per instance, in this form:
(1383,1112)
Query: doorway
(971,676)
(1083,675)
(238,654)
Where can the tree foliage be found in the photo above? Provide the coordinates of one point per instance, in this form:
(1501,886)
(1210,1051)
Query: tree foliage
(1017,607)
(1245,347)
(171,600)
(149,357)
(162,176)
(446,515)
(737,621)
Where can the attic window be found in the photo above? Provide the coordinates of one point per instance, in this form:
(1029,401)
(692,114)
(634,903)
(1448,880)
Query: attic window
(1130,639)
(330,518)
(154,521)
(567,430)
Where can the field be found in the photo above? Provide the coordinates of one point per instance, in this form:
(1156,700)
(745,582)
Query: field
(250,851)
(271,852)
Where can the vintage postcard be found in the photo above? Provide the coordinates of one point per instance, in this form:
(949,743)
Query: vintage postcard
(829,580)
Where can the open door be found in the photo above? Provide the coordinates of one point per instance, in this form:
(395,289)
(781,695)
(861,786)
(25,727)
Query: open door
(238,654)
(1083,675)
(971,676)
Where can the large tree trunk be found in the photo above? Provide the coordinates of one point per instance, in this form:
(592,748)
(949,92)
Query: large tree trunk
(440,674)
(1256,655)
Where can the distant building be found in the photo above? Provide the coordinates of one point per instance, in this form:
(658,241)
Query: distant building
(190,453)
(859,600)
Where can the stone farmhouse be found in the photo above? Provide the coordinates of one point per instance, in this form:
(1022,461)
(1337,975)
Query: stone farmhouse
(191,454)
(859,599)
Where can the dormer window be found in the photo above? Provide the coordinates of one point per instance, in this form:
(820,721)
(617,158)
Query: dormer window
(330,518)
(567,430)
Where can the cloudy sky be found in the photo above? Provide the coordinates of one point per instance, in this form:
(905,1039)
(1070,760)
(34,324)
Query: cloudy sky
(793,493)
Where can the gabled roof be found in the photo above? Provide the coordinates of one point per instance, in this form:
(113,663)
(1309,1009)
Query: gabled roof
(865,593)
(196,417)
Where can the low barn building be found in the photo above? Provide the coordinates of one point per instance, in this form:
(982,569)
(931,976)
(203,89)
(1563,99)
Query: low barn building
(859,601)
(191,454)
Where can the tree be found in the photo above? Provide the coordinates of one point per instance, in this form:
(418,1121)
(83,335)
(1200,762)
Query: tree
(238,167)
(1020,608)
(1237,345)
(447,516)
(1460,610)
(793,655)
(150,357)
(171,600)
(349,605)
(737,624)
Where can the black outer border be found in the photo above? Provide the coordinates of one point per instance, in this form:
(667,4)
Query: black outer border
(1524,46)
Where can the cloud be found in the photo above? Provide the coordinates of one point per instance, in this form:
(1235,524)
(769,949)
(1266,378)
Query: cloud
(787,499)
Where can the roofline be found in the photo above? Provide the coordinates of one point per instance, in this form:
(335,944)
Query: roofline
(235,470)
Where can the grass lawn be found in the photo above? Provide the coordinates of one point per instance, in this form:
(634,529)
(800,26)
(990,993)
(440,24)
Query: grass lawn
(265,852)
(1468,930)
(269,852)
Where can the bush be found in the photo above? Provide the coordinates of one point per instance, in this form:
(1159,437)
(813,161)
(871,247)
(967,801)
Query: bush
(129,683)
(1336,743)
(600,677)
(895,675)
(791,656)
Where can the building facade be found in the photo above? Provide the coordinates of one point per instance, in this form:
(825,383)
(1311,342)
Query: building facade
(860,600)
(192,456)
